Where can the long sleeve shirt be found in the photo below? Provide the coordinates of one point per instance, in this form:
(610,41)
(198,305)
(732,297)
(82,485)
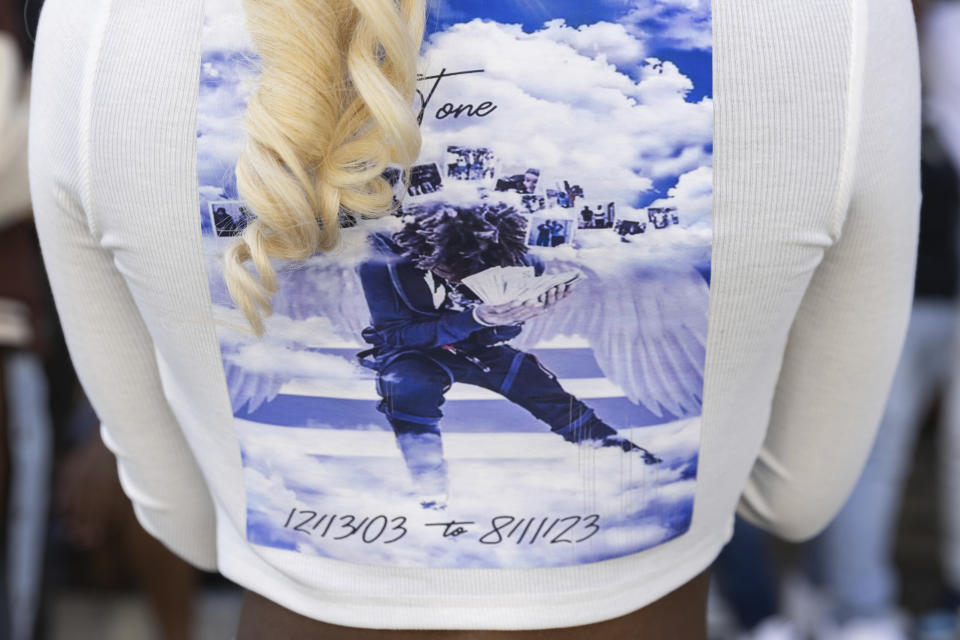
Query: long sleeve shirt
(750,345)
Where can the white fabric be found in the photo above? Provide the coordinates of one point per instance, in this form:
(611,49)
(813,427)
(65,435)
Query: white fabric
(815,233)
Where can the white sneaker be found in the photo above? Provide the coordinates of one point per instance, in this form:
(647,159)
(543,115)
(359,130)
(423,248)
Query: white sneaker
(721,622)
(805,604)
(891,626)
(774,628)
(939,624)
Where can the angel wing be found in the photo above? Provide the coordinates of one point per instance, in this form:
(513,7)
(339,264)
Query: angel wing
(645,320)
(322,286)
(319,305)
(328,289)
(250,389)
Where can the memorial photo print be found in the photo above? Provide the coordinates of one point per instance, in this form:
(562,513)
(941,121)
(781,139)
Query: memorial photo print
(508,370)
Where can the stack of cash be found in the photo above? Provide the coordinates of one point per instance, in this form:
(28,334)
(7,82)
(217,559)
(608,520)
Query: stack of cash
(500,285)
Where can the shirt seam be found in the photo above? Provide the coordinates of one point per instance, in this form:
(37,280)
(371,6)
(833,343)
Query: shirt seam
(853,120)
(90,74)
(479,601)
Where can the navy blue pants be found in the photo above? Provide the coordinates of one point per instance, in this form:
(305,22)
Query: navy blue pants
(412,387)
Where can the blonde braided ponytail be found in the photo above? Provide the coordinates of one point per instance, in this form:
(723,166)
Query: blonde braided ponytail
(333,109)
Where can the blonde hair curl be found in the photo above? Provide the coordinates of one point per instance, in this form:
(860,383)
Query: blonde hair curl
(333,109)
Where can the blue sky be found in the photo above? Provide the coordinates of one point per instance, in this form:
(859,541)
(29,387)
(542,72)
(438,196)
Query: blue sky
(696,63)
(531,13)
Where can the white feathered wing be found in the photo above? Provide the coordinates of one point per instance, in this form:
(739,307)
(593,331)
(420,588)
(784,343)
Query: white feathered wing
(646,321)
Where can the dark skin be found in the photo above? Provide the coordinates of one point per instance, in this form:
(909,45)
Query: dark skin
(99,520)
(680,615)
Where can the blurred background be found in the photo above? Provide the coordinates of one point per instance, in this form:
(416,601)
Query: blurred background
(74,563)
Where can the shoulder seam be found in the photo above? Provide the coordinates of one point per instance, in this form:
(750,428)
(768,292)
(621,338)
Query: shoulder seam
(90,72)
(852,126)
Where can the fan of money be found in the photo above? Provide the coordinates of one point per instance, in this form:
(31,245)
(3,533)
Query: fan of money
(500,285)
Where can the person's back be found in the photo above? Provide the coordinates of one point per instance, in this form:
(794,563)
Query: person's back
(522,457)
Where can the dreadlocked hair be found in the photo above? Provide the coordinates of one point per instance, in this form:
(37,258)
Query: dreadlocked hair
(464,239)
(333,109)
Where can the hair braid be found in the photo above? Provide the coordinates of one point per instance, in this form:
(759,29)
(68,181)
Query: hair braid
(333,109)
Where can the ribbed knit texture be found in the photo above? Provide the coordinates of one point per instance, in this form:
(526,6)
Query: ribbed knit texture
(815,229)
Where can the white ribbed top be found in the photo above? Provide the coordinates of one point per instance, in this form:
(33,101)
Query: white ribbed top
(814,242)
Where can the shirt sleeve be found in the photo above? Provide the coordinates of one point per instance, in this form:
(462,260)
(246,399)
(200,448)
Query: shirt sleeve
(849,329)
(113,354)
(397,326)
(476,317)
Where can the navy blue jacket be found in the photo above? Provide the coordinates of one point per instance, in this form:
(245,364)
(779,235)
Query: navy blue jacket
(403,314)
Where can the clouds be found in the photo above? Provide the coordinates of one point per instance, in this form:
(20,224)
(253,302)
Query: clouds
(227,79)
(607,39)
(307,469)
(661,82)
(661,24)
(271,359)
(693,195)
(224,27)
(564,106)
(586,104)
(676,24)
